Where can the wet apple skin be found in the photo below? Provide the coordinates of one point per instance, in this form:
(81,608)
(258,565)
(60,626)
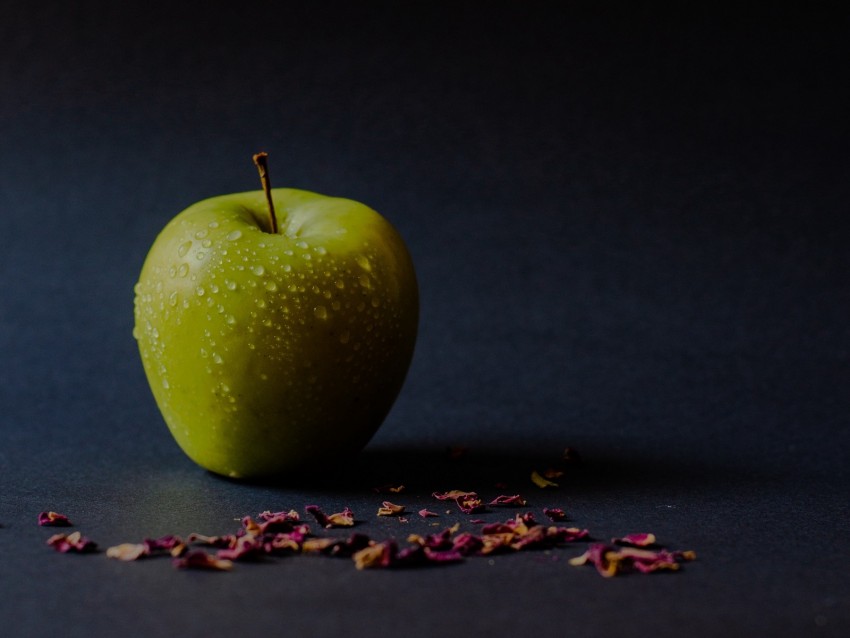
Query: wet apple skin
(273,353)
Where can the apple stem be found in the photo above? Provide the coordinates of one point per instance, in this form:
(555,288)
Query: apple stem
(261,161)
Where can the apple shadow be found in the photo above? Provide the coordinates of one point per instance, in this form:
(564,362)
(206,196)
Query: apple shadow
(492,471)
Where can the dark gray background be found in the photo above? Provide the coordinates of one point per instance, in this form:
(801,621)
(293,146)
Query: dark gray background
(631,237)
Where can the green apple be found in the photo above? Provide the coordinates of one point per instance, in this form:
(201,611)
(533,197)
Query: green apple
(271,352)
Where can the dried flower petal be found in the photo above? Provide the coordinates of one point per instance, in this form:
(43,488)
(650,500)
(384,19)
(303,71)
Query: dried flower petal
(389,489)
(377,555)
(468,502)
(552,473)
(555,514)
(74,542)
(53,519)
(635,540)
(247,546)
(610,560)
(424,513)
(227,540)
(504,500)
(336,547)
(540,481)
(390,509)
(127,551)
(199,559)
(340,519)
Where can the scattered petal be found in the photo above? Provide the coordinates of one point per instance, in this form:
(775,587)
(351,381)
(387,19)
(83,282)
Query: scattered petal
(74,542)
(424,513)
(553,473)
(340,519)
(504,500)
(390,509)
(540,481)
(611,560)
(53,519)
(635,540)
(335,546)
(376,555)
(468,502)
(389,489)
(555,514)
(199,559)
(127,551)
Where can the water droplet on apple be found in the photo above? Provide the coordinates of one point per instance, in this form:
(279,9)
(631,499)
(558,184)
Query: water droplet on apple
(184,248)
(230,285)
(258,270)
(365,281)
(183,270)
(199,256)
(321,250)
(267,323)
(303,245)
(345,337)
(200,291)
(363,262)
(233,235)
(321,312)
(230,320)
(136,333)
(375,302)
(271,286)
(165,384)
(213,224)
(217,358)
(339,283)
(172,299)
(201,234)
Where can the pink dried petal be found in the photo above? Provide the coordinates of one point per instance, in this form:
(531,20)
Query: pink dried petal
(441,540)
(74,542)
(290,517)
(199,559)
(505,500)
(424,513)
(228,540)
(610,560)
(635,540)
(477,521)
(274,522)
(245,547)
(390,509)
(467,544)
(468,502)
(167,543)
(344,518)
(555,514)
(561,535)
(53,519)
(337,547)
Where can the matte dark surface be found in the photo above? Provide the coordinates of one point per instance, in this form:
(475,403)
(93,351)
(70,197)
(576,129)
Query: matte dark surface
(631,238)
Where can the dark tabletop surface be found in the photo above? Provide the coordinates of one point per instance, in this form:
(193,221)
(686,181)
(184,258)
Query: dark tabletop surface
(630,232)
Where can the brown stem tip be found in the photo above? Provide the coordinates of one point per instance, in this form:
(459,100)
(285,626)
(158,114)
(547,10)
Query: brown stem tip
(261,162)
